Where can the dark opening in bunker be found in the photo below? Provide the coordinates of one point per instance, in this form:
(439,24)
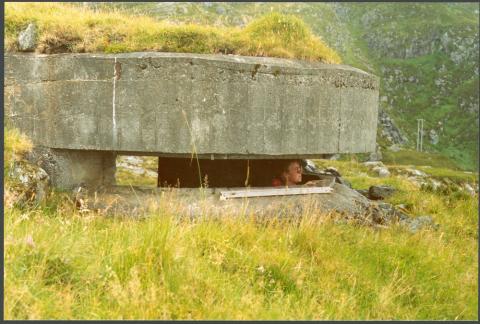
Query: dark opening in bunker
(192,173)
(153,171)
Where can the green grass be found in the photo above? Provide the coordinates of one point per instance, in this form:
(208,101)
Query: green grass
(16,145)
(70,28)
(63,264)
(412,157)
(92,267)
(124,177)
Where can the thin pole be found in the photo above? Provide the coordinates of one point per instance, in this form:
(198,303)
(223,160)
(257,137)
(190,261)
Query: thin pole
(420,134)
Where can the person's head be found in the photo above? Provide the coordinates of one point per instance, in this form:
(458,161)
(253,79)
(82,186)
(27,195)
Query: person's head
(292,172)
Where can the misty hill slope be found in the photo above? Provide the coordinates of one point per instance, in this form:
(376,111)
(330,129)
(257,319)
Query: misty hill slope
(425,54)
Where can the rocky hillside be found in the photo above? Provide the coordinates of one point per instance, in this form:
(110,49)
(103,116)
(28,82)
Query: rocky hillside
(425,54)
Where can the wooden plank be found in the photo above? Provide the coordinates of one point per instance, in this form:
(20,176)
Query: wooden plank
(264,192)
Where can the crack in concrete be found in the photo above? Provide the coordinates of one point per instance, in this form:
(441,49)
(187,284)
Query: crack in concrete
(114,122)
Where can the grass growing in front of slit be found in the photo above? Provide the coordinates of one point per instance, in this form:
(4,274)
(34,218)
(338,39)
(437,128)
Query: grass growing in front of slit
(86,266)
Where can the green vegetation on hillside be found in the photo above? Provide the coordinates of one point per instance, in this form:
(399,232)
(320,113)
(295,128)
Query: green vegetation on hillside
(440,107)
(69,28)
(426,58)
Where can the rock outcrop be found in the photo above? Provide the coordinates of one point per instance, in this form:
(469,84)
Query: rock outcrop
(28,183)
(389,130)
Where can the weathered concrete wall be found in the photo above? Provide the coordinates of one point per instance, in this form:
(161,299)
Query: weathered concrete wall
(163,103)
(70,168)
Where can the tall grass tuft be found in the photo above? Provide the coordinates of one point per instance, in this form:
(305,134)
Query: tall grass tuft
(16,145)
(67,28)
(287,36)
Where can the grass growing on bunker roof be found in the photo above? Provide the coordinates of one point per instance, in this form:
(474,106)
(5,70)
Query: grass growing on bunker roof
(70,28)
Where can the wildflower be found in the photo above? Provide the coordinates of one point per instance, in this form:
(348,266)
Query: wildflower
(29,241)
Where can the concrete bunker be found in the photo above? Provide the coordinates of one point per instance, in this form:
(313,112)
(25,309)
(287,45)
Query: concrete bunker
(238,115)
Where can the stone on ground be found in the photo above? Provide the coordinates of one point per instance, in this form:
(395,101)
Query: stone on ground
(470,189)
(420,222)
(27,40)
(29,182)
(380,192)
(382,172)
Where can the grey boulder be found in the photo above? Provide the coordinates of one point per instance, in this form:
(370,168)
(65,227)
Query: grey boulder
(27,40)
(380,192)
(30,182)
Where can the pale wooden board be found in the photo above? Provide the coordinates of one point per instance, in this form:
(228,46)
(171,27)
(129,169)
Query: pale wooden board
(264,192)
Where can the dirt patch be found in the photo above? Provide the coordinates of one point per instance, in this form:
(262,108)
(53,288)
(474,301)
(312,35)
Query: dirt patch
(60,42)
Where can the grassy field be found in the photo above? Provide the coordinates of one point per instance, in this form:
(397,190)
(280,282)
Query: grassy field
(64,28)
(61,264)
(64,264)
(413,157)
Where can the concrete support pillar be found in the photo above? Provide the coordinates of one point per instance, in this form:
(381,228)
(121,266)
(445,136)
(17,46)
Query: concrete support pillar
(70,168)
